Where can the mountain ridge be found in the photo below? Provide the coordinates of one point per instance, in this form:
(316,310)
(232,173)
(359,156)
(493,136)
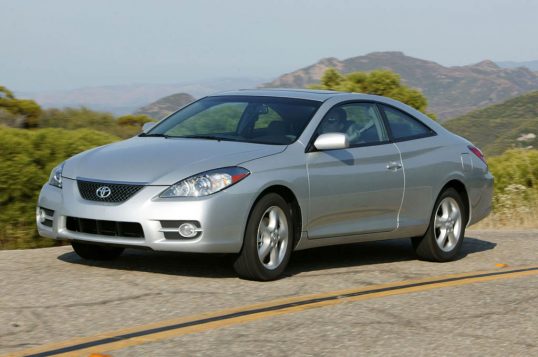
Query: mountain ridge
(165,106)
(451,91)
(532,65)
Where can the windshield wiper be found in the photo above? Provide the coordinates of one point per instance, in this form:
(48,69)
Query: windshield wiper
(207,137)
(154,135)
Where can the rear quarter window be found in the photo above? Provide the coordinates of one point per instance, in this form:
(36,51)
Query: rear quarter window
(403,126)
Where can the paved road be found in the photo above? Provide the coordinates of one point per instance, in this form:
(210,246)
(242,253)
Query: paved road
(50,295)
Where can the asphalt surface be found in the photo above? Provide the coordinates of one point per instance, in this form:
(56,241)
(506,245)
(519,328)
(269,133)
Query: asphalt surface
(50,295)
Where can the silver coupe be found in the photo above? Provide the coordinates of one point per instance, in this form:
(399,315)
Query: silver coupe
(260,173)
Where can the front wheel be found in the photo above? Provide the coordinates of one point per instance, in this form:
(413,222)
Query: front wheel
(444,237)
(268,240)
(96,252)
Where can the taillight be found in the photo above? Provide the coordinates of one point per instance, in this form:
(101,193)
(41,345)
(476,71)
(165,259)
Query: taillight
(478,153)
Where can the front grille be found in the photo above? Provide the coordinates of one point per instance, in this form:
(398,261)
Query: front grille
(119,192)
(104,228)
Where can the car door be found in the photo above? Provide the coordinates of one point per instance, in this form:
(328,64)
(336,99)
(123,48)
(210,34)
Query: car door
(359,189)
(423,156)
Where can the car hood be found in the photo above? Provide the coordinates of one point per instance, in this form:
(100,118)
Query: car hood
(161,161)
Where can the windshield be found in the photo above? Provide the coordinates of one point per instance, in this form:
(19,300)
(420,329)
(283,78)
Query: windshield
(265,120)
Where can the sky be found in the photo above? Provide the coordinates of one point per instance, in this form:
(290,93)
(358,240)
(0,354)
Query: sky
(64,44)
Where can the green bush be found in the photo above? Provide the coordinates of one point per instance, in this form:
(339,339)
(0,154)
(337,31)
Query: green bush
(26,109)
(78,118)
(26,159)
(515,167)
(516,193)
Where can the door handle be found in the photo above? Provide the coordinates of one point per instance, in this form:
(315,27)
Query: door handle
(394,166)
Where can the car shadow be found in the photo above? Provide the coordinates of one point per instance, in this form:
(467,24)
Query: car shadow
(220,265)
(369,253)
(171,263)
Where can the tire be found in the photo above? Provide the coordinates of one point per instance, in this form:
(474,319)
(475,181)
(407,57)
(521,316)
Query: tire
(96,252)
(446,231)
(268,240)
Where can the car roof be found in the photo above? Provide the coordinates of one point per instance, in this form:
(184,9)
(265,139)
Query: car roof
(310,94)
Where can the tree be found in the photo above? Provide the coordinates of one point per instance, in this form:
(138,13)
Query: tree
(25,109)
(378,82)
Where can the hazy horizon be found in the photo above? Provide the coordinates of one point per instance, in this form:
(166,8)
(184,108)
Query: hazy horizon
(60,44)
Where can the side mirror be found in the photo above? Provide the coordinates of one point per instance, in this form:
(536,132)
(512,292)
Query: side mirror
(147,126)
(331,141)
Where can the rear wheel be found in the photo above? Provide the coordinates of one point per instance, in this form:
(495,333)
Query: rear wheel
(444,237)
(268,240)
(96,252)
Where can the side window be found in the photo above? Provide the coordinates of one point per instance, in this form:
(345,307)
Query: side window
(361,122)
(403,126)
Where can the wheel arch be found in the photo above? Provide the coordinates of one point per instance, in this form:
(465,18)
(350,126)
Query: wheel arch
(460,187)
(291,198)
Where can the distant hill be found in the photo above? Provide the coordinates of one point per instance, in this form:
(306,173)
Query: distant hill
(496,128)
(165,106)
(532,65)
(451,91)
(125,99)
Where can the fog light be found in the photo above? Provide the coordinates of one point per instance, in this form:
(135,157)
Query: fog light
(41,216)
(188,230)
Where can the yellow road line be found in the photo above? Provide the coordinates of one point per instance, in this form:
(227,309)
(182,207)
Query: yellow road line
(208,321)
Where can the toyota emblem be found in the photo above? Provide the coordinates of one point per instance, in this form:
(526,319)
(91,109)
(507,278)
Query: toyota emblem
(103,192)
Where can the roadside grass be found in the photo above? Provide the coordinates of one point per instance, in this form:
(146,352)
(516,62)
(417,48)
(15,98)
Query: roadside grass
(513,221)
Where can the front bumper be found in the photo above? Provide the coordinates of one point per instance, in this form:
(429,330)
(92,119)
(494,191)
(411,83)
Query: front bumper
(222,218)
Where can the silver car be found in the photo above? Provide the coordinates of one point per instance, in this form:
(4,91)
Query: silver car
(260,173)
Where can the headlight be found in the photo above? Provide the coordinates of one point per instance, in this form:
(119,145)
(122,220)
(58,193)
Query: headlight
(206,183)
(56,176)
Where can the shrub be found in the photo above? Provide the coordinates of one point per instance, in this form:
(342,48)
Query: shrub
(26,159)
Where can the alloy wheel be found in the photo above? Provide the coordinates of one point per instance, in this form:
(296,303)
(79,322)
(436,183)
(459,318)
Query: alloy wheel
(448,224)
(272,237)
